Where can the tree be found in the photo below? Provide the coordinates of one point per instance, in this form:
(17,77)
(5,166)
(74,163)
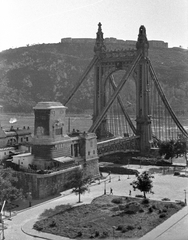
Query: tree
(143,183)
(166,148)
(180,147)
(9,190)
(172,148)
(78,182)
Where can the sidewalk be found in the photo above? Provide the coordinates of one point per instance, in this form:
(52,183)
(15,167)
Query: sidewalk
(174,228)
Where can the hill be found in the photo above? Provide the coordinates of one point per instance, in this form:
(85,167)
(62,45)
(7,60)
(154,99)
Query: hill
(47,72)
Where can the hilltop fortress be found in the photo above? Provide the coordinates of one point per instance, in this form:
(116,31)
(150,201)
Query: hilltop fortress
(125,44)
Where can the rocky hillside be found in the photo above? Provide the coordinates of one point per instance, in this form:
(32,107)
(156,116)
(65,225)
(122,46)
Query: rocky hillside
(47,72)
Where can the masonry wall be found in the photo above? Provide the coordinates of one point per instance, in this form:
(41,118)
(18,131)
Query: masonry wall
(44,185)
(92,167)
(28,182)
(54,183)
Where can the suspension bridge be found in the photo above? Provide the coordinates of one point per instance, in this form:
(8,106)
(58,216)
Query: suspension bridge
(124,120)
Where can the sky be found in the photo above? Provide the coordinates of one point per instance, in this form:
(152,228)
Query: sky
(24,22)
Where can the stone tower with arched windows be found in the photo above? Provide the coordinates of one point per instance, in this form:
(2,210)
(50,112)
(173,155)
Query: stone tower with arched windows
(49,132)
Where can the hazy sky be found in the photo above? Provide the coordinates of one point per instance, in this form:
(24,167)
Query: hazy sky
(25,22)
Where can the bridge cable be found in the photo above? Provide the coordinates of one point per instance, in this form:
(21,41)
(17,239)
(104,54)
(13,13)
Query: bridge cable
(165,101)
(122,107)
(111,110)
(81,79)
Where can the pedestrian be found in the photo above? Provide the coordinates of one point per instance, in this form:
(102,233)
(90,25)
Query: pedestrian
(29,197)
(129,192)
(111,191)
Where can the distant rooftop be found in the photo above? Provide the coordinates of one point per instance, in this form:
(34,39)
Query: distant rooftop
(49,105)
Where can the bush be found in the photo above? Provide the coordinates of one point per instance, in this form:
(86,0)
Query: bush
(181,203)
(164,210)
(79,234)
(120,227)
(130,212)
(165,199)
(176,173)
(104,235)
(124,229)
(132,207)
(118,170)
(150,209)
(115,209)
(172,205)
(141,210)
(130,227)
(117,200)
(154,207)
(162,215)
(37,226)
(52,224)
(122,206)
(145,201)
(139,196)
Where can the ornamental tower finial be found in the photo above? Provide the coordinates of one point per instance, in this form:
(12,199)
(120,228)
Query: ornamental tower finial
(99,44)
(142,42)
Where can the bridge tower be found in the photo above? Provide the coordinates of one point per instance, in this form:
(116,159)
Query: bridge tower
(99,92)
(106,65)
(143,108)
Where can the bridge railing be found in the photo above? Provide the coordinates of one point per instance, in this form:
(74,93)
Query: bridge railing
(119,144)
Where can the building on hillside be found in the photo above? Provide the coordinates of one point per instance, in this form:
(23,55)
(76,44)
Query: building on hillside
(78,40)
(158,44)
(111,40)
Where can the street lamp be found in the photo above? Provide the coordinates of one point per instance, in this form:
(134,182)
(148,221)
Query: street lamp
(185,197)
(114,227)
(109,178)
(128,169)
(2,222)
(104,187)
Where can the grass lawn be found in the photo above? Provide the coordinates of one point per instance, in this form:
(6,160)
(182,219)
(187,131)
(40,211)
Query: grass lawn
(107,216)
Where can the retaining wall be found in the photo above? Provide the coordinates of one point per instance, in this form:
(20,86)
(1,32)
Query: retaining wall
(44,185)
